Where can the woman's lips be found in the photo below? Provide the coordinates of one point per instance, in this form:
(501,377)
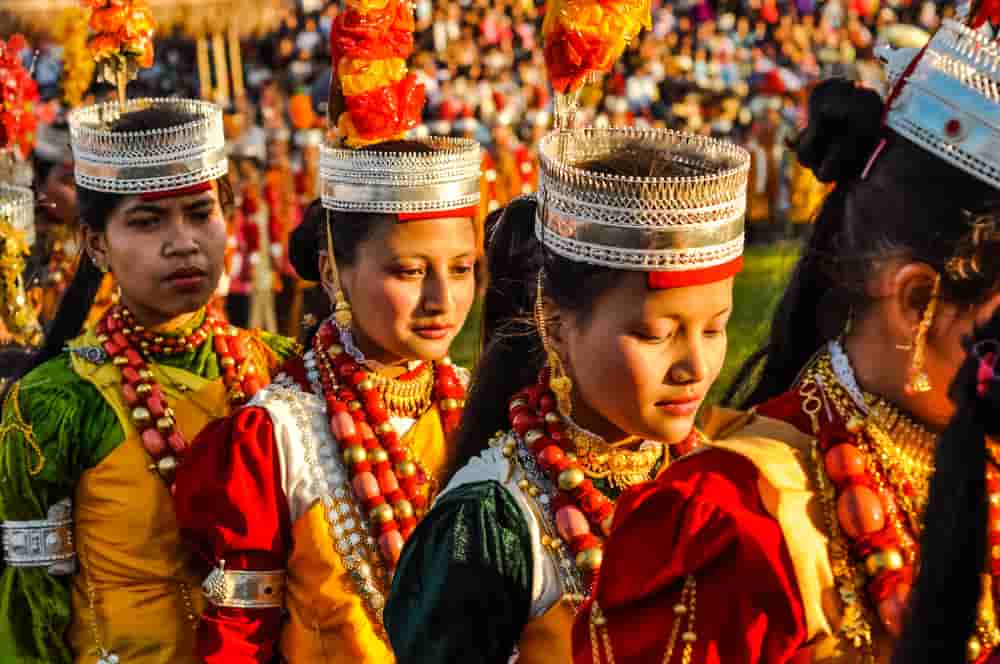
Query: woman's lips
(681,407)
(433,332)
(188,279)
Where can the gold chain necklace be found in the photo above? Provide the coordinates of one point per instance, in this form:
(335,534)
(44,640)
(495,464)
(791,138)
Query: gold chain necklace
(622,467)
(407,398)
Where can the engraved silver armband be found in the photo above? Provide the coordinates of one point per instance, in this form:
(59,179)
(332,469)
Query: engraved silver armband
(42,543)
(245,589)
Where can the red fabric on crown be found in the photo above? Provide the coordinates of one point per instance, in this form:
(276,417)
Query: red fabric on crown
(682,278)
(470,211)
(174,193)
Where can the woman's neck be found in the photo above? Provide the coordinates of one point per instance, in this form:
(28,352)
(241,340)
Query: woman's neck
(380,360)
(158,322)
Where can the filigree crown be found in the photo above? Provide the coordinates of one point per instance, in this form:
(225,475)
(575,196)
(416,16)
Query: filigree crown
(683,222)
(949,103)
(17,207)
(372,180)
(147,161)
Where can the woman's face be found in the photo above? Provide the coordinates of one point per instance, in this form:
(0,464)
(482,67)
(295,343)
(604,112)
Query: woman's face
(644,360)
(167,254)
(411,287)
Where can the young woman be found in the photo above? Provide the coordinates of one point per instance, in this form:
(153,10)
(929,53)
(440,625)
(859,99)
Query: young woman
(310,491)
(962,515)
(795,539)
(604,333)
(94,570)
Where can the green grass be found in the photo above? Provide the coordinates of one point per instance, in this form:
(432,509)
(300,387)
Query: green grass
(755,295)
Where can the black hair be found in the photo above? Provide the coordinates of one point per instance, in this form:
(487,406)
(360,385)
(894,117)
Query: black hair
(953,550)
(912,206)
(512,353)
(95,208)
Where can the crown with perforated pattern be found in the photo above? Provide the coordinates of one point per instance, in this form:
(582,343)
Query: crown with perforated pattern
(687,226)
(148,161)
(17,208)
(946,97)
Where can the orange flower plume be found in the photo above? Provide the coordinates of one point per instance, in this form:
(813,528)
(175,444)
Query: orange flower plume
(370,41)
(18,96)
(122,37)
(584,36)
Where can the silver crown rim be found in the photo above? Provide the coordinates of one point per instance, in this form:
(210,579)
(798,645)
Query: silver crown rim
(17,204)
(661,223)
(373,181)
(147,160)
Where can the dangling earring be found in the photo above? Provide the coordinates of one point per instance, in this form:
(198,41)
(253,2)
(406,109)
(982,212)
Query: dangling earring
(342,315)
(918,381)
(559,382)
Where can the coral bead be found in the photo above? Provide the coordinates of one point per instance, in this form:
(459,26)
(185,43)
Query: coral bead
(154,442)
(365,486)
(843,462)
(391,545)
(387,480)
(342,426)
(892,609)
(571,523)
(860,511)
(551,456)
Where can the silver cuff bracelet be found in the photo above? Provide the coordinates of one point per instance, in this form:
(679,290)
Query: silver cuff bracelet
(245,589)
(42,543)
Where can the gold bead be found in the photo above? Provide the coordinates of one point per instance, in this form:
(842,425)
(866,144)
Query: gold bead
(446,361)
(157,339)
(354,405)
(237,395)
(996,526)
(227,362)
(570,478)
(995,552)
(508,450)
(143,389)
(523,485)
(102,338)
(355,454)
(533,436)
(894,560)
(517,403)
(995,499)
(546,541)
(169,412)
(406,469)
(854,424)
(571,457)
(119,361)
(166,467)
(973,649)
(335,349)
(449,404)
(598,620)
(379,455)
(127,331)
(165,424)
(552,418)
(146,374)
(367,385)
(533,491)
(404,509)
(382,513)
(590,560)
(249,369)
(689,637)
(141,416)
(606,524)
(139,328)
(680,609)
(383,428)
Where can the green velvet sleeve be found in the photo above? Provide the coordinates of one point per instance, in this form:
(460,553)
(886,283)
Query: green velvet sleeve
(54,426)
(462,591)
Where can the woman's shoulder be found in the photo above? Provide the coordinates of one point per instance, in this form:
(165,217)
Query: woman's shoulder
(54,390)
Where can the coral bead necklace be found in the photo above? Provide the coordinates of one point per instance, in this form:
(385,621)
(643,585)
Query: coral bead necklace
(389,485)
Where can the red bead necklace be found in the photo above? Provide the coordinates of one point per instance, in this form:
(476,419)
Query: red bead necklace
(580,508)
(391,488)
(159,344)
(153,418)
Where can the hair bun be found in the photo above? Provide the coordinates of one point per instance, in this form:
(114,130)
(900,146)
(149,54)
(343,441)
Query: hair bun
(303,243)
(845,125)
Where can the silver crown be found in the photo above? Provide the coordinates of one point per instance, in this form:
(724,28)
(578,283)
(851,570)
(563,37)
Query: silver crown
(950,102)
(148,161)
(447,178)
(17,207)
(675,223)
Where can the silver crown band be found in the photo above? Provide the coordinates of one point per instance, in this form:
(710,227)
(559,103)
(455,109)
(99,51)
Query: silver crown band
(393,182)
(245,589)
(148,161)
(675,223)
(17,207)
(950,103)
(42,543)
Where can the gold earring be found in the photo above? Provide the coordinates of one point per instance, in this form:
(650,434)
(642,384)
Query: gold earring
(918,382)
(559,381)
(342,314)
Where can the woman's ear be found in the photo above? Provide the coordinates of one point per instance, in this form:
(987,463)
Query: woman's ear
(96,245)
(911,290)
